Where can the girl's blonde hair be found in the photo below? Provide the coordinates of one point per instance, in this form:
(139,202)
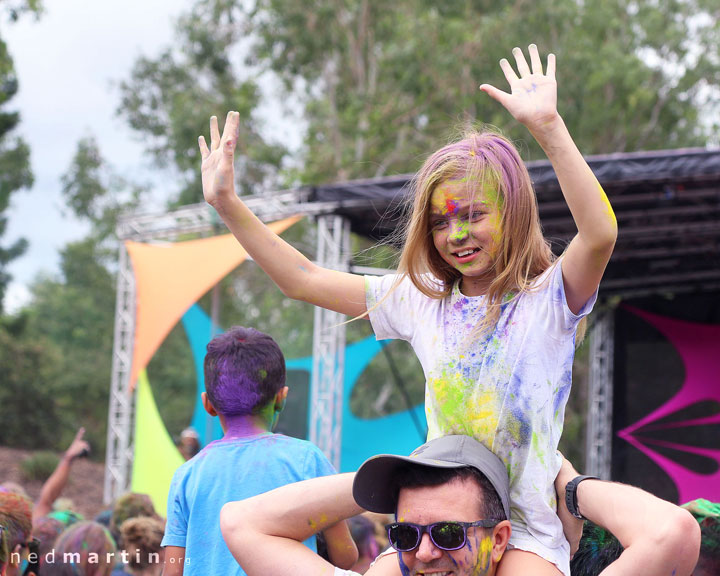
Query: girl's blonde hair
(490,160)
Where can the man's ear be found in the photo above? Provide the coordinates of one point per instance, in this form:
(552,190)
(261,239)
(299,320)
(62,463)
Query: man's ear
(209,408)
(280,398)
(501,537)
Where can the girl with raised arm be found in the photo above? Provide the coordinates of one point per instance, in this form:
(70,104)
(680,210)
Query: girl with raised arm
(490,313)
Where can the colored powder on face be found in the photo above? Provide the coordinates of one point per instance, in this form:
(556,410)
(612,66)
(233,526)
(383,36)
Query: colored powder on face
(484,556)
(451,206)
(462,230)
(495,230)
(404,570)
(490,194)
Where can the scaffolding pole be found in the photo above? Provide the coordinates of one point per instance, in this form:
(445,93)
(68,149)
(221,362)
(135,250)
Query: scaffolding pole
(600,396)
(333,251)
(119,453)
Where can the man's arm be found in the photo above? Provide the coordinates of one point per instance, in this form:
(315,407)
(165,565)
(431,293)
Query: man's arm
(659,538)
(54,485)
(265,532)
(572,527)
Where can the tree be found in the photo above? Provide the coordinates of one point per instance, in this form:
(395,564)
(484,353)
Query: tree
(169,100)
(27,388)
(15,172)
(381,82)
(70,317)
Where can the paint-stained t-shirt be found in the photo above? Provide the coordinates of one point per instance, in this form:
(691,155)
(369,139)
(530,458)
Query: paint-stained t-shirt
(224,471)
(507,388)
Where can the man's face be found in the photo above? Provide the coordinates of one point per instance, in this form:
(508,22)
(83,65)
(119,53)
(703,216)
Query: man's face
(458,500)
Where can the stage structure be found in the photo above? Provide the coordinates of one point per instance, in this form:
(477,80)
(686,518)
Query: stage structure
(668,209)
(328,342)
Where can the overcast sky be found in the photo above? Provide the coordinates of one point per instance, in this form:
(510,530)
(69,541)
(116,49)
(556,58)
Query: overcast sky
(68,64)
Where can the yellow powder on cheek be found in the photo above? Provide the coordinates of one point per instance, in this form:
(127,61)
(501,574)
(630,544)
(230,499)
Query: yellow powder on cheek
(484,556)
(486,547)
(495,232)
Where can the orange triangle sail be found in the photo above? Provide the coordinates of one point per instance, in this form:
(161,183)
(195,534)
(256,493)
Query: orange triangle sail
(169,278)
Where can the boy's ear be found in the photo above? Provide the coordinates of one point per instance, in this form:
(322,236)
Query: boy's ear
(209,408)
(280,398)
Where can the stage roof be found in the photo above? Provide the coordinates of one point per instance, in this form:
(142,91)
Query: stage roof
(667,205)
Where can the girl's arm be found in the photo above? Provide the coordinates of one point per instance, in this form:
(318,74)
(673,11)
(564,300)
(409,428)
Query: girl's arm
(265,532)
(294,274)
(341,547)
(533,102)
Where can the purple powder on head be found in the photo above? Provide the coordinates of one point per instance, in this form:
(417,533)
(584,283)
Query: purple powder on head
(244,370)
(239,393)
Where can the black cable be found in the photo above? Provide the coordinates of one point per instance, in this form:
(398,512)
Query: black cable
(404,393)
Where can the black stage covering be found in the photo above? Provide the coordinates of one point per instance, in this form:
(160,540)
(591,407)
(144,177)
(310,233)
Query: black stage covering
(667,204)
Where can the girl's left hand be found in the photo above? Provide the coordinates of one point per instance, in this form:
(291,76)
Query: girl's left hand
(533,97)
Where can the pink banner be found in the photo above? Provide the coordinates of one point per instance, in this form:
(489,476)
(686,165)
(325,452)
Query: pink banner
(699,347)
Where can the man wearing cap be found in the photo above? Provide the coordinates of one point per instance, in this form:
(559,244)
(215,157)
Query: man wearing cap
(451,504)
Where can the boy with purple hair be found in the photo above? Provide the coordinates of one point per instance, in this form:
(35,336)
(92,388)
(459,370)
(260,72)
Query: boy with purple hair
(244,387)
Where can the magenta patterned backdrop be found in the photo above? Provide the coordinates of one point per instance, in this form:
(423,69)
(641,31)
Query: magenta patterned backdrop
(699,348)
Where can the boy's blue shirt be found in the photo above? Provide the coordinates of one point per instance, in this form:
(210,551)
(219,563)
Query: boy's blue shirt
(224,471)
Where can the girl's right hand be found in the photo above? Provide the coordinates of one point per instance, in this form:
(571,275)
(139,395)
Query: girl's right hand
(218,170)
(532,99)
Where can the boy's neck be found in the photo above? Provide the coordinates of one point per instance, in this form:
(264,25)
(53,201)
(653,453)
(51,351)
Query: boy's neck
(245,425)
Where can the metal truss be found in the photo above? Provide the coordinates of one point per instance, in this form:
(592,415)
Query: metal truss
(600,395)
(198,218)
(121,411)
(333,251)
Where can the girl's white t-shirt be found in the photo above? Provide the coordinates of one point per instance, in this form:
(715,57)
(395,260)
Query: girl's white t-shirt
(507,389)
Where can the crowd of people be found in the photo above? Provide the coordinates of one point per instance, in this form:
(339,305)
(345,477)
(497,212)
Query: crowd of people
(494,318)
(46,537)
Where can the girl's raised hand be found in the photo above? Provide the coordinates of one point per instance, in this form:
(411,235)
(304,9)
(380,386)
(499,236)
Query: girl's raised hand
(533,95)
(218,171)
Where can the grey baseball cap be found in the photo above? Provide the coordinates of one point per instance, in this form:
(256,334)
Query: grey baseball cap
(373,487)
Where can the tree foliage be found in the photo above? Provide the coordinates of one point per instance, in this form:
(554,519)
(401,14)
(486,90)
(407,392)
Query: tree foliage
(66,332)
(382,82)
(169,99)
(15,172)
(27,388)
